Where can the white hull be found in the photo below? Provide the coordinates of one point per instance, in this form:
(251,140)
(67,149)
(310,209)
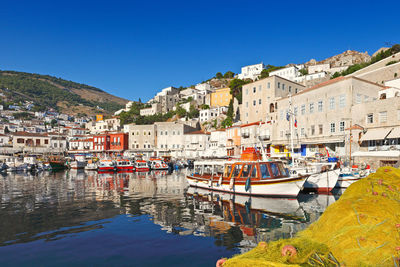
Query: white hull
(78,164)
(282,189)
(322,182)
(270,205)
(346,181)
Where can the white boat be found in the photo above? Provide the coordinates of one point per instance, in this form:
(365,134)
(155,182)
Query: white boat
(141,166)
(106,165)
(158,164)
(249,175)
(91,166)
(79,162)
(350,175)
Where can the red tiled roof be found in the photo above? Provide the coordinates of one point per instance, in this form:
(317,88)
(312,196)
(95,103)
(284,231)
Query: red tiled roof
(29,134)
(251,124)
(199,132)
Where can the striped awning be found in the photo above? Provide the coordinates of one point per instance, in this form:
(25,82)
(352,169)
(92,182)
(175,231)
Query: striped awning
(376,134)
(395,133)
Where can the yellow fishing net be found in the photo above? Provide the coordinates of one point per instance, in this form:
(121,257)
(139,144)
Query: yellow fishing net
(361,229)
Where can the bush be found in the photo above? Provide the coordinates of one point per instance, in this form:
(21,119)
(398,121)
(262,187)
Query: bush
(391,62)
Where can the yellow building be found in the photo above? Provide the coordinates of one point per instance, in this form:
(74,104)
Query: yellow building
(221,97)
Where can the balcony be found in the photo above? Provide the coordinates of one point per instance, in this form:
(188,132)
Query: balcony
(245,135)
(264,137)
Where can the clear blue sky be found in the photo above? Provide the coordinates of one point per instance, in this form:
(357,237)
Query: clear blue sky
(134,48)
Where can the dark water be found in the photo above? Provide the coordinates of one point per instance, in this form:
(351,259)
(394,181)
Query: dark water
(89,219)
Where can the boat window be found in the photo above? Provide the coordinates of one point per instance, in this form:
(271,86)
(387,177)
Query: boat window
(197,169)
(208,169)
(218,169)
(246,170)
(274,169)
(253,173)
(264,171)
(284,171)
(236,170)
(228,169)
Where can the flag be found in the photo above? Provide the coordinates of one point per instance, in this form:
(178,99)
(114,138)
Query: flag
(295,123)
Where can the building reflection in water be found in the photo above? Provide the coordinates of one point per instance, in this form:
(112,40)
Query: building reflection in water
(50,205)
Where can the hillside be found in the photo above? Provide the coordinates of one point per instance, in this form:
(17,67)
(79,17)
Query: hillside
(346,58)
(50,92)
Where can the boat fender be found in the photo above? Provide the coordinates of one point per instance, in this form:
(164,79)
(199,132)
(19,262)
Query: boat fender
(247,186)
(220,180)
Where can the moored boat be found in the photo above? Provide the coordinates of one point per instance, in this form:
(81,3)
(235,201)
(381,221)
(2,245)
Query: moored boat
(141,166)
(158,164)
(250,176)
(106,165)
(124,165)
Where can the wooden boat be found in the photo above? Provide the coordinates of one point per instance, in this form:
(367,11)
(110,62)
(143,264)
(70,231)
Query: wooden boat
(57,163)
(124,165)
(250,176)
(106,165)
(141,166)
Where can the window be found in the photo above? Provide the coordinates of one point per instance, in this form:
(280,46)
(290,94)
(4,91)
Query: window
(341,126)
(311,107)
(46,141)
(149,133)
(166,132)
(161,132)
(247,104)
(303,109)
(358,98)
(254,89)
(295,110)
(320,129)
(259,101)
(333,127)
(279,85)
(254,102)
(302,132)
(383,116)
(342,101)
(20,141)
(264,171)
(281,115)
(320,106)
(296,90)
(290,89)
(236,170)
(274,169)
(246,170)
(268,85)
(283,86)
(370,118)
(332,103)
(247,91)
(312,130)
(259,88)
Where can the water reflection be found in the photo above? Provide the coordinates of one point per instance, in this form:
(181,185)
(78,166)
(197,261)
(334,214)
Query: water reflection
(51,206)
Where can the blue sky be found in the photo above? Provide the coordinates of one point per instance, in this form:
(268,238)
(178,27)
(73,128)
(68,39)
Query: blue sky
(134,48)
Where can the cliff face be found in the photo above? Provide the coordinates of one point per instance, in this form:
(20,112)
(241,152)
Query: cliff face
(346,58)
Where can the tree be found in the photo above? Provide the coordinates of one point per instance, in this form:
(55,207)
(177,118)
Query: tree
(264,74)
(219,75)
(193,112)
(180,111)
(204,106)
(227,122)
(236,88)
(140,100)
(229,74)
(303,71)
(53,123)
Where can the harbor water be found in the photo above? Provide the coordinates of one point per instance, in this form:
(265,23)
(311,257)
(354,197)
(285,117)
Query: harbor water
(77,218)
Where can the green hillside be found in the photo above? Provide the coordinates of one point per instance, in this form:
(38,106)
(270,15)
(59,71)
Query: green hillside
(66,96)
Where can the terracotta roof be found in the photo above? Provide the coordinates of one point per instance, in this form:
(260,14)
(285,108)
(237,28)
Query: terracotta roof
(29,134)
(251,124)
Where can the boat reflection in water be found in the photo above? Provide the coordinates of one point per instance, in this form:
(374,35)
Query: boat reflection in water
(77,204)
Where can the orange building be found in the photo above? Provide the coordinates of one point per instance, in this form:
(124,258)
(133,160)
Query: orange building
(118,141)
(221,97)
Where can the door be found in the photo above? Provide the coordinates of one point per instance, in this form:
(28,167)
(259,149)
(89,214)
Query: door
(304,150)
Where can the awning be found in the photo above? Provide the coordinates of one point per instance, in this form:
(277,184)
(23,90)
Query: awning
(395,133)
(379,154)
(376,134)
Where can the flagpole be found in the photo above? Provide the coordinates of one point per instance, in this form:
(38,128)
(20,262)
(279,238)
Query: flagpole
(291,127)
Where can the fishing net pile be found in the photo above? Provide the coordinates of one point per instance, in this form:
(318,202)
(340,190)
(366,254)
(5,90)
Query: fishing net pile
(361,229)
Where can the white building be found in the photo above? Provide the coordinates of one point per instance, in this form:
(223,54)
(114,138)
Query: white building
(251,71)
(289,73)
(154,109)
(319,68)
(310,77)
(217,144)
(196,144)
(212,113)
